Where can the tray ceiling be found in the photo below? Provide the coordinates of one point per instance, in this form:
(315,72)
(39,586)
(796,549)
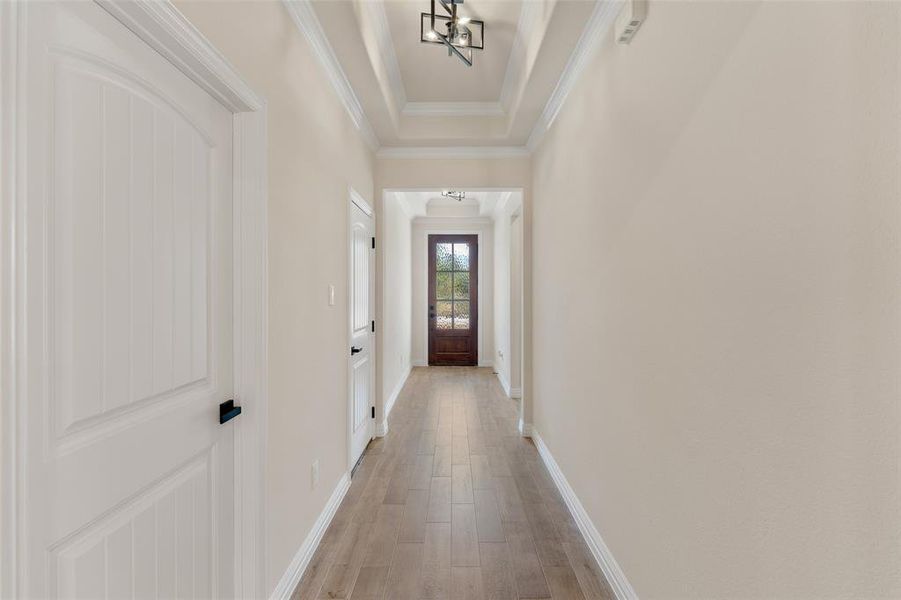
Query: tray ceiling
(413,95)
(430,76)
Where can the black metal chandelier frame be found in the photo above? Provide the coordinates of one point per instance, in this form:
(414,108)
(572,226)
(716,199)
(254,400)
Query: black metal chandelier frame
(458,196)
(429,33)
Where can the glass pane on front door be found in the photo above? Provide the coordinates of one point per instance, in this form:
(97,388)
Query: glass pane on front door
(461,286)
(461,257)
(443,286)
(444,257)
(445,315)
(461,315)
(452,286)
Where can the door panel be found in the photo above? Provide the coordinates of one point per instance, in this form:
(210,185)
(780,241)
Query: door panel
(129,353)
(131,266)
(362,294)
(139,545)
(453,299)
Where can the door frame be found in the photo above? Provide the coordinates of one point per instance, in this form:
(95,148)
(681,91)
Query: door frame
(354,198)
(160,25)
(430,286)
(525,402)
(465,229)
(516,297)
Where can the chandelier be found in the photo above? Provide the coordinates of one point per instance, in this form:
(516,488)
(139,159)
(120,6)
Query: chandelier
(458,196)
(460,35)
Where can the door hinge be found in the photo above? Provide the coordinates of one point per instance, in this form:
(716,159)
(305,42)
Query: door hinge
(373,412)
(373,327)
(373,243)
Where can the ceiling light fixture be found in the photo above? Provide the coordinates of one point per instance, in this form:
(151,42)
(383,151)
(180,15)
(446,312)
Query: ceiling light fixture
(461,35)
(458,196)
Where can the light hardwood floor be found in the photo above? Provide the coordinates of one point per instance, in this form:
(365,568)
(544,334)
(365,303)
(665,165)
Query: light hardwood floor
(452,504)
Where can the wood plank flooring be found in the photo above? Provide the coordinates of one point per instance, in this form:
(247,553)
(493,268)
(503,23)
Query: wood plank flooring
(453,504)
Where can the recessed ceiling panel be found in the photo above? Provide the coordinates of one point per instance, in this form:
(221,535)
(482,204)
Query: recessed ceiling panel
(429,75)
(413,94)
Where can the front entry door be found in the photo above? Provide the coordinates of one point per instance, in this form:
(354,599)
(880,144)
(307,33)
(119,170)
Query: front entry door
(127,475)
(362,353)
(453,300)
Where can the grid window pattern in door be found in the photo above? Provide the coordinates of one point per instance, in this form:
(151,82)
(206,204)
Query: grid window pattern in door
(452,286)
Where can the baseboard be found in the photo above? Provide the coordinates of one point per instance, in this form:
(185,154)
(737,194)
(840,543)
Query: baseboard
(504,383)
(394,394)
(424,363)
(525,429)
(602,555)
(381,430)
(288,582)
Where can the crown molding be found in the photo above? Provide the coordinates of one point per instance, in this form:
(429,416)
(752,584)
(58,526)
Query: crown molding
(515,73)
(304,17)
(453,109)
(445,221)
(385,43)
(599,25)
(500,208)
(401,152)
(163,27)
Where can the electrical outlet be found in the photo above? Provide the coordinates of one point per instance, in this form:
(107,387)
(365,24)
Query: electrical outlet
(314,474)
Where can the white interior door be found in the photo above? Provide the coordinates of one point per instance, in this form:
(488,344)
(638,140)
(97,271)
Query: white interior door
(362,353)
(129,478)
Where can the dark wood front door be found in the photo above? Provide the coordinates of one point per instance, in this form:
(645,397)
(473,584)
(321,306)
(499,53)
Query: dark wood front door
(453,300)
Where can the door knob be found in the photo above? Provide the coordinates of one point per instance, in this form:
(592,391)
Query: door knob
(355,350)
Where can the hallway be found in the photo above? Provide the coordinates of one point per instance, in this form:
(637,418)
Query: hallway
(453,503)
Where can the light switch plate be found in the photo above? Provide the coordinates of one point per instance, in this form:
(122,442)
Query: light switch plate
(331,295)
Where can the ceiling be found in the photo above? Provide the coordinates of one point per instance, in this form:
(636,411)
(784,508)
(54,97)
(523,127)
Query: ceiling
(428,75)
(405,94)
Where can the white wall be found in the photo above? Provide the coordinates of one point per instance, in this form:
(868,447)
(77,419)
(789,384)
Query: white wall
(395,333)
(717,299)
(422,228)
(315,153)
(506,357)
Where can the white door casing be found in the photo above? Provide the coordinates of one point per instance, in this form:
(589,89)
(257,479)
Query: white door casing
(516,302)
(120,479)
(361,296)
